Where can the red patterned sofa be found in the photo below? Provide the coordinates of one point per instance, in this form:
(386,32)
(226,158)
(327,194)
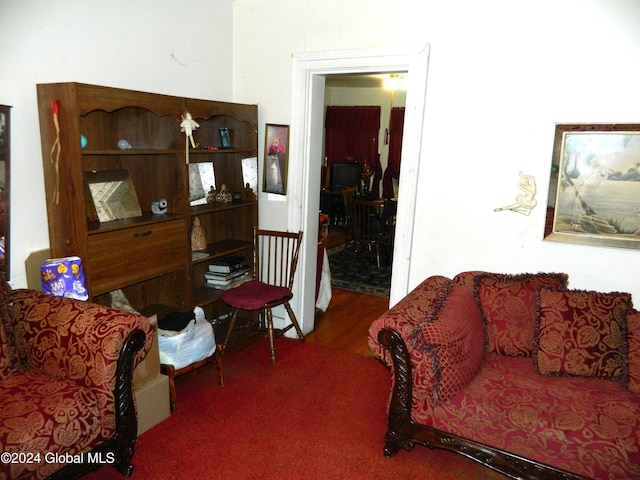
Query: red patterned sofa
(66,400)
(516,372)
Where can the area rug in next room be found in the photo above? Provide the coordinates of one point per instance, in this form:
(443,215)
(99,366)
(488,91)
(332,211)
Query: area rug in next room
(363,277)
(318,413)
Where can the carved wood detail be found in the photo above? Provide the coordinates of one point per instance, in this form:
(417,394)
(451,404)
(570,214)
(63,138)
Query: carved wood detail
(120,446)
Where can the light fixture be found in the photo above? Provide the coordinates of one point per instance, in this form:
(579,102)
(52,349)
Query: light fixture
(394,82)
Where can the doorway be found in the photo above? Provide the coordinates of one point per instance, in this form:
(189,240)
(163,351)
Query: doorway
(308,87)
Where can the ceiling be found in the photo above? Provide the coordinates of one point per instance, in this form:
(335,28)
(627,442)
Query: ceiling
(358,80)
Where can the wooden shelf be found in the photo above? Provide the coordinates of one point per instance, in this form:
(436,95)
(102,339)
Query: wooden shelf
(148,257)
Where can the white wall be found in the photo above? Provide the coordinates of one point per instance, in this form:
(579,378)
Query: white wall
(163,46)
(501,74)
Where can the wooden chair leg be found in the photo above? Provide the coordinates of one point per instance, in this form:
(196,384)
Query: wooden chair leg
(294,320)
(232,324)
(170,372)
(271,334)
(219,350)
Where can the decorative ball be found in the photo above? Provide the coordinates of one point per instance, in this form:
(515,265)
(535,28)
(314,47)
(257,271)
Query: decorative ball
(83,142)
(124,145)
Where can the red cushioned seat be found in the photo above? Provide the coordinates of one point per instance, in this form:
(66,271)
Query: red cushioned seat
(275,257)
(254,295)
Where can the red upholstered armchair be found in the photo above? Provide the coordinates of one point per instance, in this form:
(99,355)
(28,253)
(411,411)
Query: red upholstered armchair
(66,399)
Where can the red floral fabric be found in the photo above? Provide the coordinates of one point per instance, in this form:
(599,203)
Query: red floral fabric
(590,426)
(585,425)
(633,329)
(8,359)
(404,317)
(454,337)
(63,400)
(582,333)
(33,406)
(508,304)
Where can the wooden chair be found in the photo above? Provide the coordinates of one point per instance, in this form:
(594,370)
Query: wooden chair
(370,228)
(348,194)
(274,266)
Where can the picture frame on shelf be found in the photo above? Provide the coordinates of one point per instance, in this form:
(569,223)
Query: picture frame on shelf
(202,178)
(276,159)
(225,139)
(113,196)
(594,188)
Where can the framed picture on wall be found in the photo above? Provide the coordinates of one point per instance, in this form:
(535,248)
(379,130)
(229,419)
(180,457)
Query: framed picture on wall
(276,156)
(594,192)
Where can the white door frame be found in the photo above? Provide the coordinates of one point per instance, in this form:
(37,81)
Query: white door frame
(309,72)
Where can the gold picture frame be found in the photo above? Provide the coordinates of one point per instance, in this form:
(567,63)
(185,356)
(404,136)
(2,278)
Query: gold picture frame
(594,189)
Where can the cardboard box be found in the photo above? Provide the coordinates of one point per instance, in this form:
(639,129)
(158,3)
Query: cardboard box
(152,401)
(32,266)
(149,368)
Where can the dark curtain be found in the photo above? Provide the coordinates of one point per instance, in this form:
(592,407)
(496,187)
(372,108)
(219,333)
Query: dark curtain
(351,133)
(396,125)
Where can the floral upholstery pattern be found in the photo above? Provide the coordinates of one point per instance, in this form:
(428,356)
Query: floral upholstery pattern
(26,421)
(508,304)
(453,335)
(633,329)
(8,358)
(404,317)
(586,425)
(582,333)
(62,399)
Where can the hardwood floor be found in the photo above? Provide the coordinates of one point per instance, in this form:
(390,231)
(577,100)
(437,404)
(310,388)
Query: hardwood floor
(346,322)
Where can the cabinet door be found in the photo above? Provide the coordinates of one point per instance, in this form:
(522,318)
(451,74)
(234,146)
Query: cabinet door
(124,257)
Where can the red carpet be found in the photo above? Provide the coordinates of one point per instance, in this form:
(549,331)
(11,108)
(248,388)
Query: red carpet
(318,413)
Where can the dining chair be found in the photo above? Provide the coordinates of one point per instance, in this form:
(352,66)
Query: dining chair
(274,266)
(348,194)
(370,226)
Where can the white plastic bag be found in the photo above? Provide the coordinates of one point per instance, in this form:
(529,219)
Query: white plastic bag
(196,342)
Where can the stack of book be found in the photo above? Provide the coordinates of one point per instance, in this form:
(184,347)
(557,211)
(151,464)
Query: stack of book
(227,272)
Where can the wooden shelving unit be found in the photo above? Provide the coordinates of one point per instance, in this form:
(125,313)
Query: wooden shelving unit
(149,257)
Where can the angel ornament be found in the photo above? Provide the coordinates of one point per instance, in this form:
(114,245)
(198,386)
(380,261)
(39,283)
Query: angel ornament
(525,201)
(188,125)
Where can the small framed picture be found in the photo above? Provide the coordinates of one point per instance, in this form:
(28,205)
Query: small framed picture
(276,155)
(224,137)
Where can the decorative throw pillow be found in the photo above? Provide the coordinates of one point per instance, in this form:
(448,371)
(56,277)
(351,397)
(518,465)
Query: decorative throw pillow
(633,332)
(453,335)
(508,305)
(582,333)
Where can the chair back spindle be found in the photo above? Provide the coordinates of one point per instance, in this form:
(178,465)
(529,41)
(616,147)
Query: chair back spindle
(276,256)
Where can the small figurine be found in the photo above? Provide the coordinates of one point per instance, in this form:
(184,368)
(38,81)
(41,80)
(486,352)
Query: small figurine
(187,126)
(223,196)
(525,201)
(198,239)
(211,196)
(159,207)
(367,173)
(247,193)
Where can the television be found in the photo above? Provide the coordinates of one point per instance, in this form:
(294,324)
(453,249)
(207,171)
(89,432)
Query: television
(345,175)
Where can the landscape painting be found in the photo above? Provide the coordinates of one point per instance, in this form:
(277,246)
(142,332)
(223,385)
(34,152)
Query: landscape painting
(595,188)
